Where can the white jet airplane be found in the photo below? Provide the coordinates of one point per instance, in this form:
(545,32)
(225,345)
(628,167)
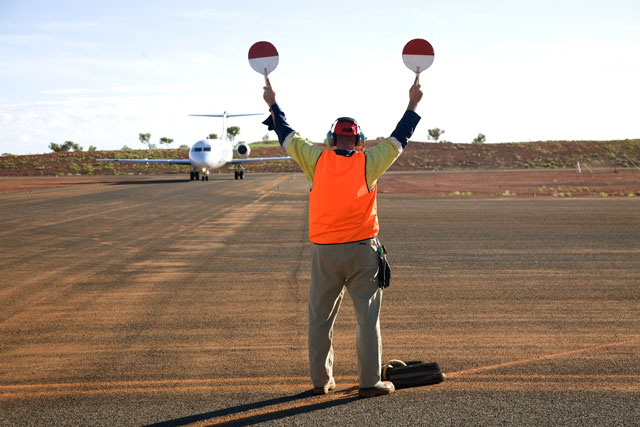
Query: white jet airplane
(208,154)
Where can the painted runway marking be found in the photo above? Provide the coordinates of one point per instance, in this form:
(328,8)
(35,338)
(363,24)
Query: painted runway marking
(463,377)
(630,382)
(258,384)
(560,355)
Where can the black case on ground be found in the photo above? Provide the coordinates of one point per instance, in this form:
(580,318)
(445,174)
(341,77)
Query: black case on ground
(415,374)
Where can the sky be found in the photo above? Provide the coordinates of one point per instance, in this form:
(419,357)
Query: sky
(99,73)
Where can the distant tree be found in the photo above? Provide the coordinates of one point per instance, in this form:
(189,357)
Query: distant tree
(435,133)
(213,136)
(144,139)
(73,145)
(165,140)
(184,147)
(232,132)
(265,138)
(67,146)
(479,139)
(92,148)
(125,147)
(56,148)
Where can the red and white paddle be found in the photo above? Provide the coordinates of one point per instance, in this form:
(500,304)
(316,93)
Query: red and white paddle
(417,55)
(263,58)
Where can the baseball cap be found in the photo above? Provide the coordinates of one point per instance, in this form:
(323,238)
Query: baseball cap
(346,126)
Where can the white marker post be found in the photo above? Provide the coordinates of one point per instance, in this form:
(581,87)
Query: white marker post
(418,56)
(263,58)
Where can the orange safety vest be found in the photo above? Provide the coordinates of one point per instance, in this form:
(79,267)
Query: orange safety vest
(341,207)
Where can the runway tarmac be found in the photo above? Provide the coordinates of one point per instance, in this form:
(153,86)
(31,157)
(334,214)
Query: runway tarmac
(173,303)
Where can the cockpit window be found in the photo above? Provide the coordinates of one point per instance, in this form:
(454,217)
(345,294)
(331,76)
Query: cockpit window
(207,148)
(197,149)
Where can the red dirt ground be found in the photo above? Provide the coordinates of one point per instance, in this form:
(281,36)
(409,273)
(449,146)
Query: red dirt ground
(519,183)
(17,184)
(515,183)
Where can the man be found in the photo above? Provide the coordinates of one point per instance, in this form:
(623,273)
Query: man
(343,227)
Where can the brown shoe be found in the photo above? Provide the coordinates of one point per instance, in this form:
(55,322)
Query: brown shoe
(326,388)
(382,388)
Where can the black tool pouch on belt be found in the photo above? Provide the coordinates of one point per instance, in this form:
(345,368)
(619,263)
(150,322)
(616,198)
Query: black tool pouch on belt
(384,271)
(412,374)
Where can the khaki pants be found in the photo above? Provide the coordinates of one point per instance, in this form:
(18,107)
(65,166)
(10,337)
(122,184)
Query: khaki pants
(334,268)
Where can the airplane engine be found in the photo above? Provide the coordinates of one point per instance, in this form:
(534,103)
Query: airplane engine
(243,150)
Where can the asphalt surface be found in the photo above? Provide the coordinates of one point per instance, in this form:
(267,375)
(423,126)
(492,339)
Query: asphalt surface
(175,303)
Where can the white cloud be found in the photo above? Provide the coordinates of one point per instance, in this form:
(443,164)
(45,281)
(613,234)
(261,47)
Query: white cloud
(113,121)
(76,91)
(87,45)
(34,39)
(155,89)
(212,14)
(70,25)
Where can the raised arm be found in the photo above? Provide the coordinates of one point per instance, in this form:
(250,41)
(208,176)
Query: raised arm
(269,95)
(410,119)
(382,156)
(303,152)
(277,121)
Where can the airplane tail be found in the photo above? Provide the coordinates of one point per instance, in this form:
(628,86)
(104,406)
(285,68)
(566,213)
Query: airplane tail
(224,116)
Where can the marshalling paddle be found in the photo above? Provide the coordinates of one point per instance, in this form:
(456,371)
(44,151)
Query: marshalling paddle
(263,58)
(418,56)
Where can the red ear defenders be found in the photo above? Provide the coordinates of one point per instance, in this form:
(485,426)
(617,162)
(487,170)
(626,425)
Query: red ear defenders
(345,126)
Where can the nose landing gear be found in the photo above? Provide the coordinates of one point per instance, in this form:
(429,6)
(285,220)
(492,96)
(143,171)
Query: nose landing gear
(195,176)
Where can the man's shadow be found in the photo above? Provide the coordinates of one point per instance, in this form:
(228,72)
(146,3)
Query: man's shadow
(343,397)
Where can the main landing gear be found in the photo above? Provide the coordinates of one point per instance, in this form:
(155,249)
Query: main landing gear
(239,172)
(195,176)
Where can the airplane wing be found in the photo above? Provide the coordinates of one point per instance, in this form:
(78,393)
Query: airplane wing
(259,159)
(165,161)
(226,115)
